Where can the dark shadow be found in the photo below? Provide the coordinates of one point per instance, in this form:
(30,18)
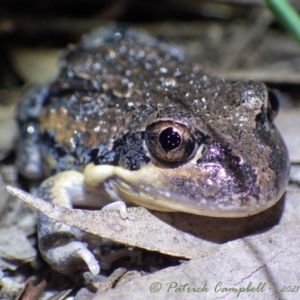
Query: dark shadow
(221,230)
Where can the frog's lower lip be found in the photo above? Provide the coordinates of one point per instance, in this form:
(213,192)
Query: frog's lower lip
(154,192)
(159,200)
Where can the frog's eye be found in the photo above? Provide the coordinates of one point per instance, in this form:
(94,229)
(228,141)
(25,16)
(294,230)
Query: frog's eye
(273,105)
(170,142)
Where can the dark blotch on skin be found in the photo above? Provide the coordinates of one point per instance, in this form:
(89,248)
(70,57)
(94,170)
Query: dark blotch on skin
(101,155)
(130,150)
(243,176)
(213,152)
(127,151)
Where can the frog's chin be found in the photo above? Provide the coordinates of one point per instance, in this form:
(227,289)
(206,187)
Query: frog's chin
(162,200)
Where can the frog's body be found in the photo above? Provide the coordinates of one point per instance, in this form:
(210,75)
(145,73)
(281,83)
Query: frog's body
(129,119)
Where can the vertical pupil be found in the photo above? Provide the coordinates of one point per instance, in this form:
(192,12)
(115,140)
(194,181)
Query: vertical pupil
(169,139)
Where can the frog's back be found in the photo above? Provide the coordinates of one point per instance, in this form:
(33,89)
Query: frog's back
(107,86)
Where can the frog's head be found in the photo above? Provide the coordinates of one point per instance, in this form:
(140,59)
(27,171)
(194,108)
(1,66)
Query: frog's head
(224,158)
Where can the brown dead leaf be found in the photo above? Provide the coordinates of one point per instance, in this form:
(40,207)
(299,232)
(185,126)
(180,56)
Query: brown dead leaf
(31,292)
(176,234)
(265,263)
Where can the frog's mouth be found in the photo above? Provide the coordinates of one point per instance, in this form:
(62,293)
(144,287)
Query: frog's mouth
(162,200)
(146,187)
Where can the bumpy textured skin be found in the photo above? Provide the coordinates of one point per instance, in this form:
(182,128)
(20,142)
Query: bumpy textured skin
(115,83)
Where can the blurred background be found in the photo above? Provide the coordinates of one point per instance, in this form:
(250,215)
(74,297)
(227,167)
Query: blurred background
(237,40)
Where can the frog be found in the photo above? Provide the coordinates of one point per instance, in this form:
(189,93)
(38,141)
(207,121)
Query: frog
(129,121)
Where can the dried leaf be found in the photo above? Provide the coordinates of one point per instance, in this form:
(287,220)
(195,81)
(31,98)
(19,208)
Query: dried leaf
(266,263)
(176,234)
(31,292)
